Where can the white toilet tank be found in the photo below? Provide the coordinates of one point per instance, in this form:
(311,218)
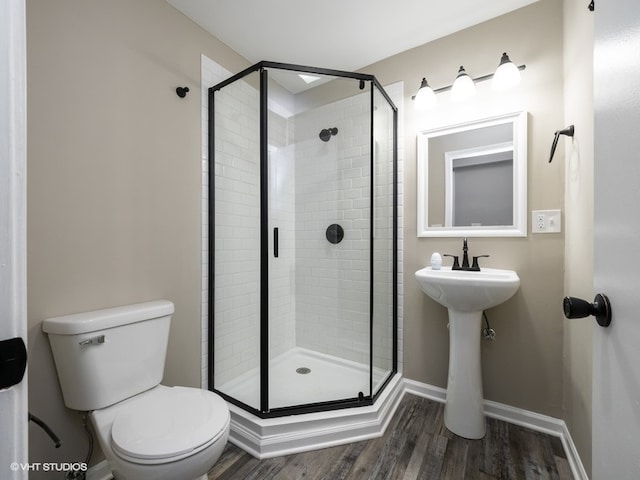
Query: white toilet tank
(105,356)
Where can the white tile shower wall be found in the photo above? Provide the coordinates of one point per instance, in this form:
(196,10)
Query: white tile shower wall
(333,186)
(282,288)
(237,231)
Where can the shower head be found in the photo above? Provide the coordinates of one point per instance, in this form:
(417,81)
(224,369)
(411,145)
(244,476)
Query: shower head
(326,133)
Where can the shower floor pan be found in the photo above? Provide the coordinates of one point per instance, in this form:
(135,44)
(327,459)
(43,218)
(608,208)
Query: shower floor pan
(329,378)
(300,376)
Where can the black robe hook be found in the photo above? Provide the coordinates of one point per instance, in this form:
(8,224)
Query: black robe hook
(182,91)
(569,131)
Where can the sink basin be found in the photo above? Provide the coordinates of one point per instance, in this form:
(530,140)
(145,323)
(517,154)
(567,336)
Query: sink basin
(466,294)
(466,291)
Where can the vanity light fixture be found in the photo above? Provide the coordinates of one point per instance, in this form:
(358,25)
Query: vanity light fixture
(425,98)
(463,87)
(507,75)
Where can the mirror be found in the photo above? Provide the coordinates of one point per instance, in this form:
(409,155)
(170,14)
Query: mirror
(472,179)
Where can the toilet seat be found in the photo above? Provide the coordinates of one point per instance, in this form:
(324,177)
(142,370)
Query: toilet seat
(168,424)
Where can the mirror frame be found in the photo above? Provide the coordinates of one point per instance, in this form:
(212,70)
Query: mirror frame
(519,227)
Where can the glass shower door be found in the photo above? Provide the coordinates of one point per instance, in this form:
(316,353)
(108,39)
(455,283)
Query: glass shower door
(235,256)
(384,244)
(319,233)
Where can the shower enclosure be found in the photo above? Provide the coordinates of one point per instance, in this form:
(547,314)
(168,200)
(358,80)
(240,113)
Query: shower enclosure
(302,239)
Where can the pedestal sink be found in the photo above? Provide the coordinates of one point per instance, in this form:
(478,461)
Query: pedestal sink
(466,294)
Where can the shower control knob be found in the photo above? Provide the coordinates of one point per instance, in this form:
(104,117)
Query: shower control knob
(578,308)
(334,233)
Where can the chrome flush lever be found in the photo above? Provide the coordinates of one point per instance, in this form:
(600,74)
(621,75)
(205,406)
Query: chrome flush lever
(92,341)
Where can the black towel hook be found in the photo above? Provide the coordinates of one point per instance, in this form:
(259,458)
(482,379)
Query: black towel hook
(182,91)
(569,132)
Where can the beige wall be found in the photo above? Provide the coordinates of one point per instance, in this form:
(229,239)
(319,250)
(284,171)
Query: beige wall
(114,179)
(578,281)
(523,367)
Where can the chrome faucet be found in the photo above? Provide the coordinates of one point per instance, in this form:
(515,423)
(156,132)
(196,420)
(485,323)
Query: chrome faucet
(465,259)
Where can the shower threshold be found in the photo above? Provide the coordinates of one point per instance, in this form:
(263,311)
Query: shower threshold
(265,438)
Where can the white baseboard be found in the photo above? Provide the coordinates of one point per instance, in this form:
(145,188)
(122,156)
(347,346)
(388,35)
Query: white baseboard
(518,416)
(425,390)
(577,468)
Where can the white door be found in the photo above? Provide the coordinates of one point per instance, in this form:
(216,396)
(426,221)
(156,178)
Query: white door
(13,319)
(616,354)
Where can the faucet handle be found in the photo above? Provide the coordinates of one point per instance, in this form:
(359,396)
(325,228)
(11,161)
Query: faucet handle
(456,265)
(474,265)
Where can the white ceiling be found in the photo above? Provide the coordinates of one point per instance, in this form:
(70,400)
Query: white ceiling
(336,34)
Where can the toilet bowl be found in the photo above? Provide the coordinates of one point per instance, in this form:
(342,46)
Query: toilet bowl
(160,433)
(110,363)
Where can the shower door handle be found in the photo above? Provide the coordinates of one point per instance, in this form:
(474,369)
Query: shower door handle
(275,242)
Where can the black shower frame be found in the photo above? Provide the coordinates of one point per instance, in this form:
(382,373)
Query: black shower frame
(361,400)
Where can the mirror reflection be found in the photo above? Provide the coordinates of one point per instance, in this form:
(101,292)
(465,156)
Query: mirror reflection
(472,178)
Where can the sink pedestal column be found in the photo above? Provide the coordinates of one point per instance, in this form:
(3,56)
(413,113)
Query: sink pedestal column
(464,410)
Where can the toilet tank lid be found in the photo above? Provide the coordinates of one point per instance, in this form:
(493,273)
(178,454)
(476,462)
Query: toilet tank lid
(107,318)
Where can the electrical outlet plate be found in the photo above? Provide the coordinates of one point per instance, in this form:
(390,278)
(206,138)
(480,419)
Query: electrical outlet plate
(546,221)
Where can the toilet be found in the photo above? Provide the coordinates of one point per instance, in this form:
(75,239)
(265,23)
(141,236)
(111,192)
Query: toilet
(110,363)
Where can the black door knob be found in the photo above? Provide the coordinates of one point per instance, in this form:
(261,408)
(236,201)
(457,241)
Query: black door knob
(13,361)
(578,308)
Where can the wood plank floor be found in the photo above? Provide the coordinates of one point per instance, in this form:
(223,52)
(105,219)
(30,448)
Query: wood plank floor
(416,445)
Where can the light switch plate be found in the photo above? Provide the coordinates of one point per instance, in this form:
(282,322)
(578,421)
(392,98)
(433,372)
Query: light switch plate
(546,221)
